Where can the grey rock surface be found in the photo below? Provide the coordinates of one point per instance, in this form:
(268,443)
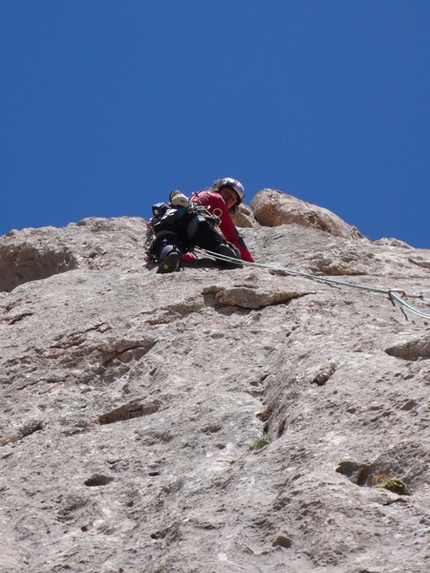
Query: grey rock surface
(212,420)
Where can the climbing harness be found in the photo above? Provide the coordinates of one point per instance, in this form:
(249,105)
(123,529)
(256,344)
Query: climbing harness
(391,293)
(168,214)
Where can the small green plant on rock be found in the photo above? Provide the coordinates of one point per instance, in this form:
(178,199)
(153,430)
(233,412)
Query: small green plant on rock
(395,485)
(261,441)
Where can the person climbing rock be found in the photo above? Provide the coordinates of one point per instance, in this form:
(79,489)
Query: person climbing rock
(184,224)
(222,200)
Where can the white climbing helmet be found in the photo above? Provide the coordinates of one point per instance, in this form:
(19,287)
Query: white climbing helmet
(236,185)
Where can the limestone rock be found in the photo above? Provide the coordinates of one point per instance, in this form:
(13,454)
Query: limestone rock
(420,261)
(34,254)
(418,349)
(244,217)
(131,401)
(272,208)
(245,296)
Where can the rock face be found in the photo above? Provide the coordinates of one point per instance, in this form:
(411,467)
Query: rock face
(244,217)
(240,420)
(272,208)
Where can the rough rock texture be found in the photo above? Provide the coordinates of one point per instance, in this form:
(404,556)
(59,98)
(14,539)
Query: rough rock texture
(244,217)
(33,254)
(212,420)
(272,208)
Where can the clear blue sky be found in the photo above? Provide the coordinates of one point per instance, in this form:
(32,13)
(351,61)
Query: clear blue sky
(108,105)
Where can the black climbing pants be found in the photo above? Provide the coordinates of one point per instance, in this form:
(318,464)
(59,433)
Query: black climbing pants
(176,237)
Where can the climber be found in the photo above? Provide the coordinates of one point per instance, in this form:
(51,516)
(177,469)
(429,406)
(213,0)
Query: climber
(183,224)
(222,200)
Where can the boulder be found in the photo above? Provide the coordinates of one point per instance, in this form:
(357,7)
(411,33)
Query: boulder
(272,208)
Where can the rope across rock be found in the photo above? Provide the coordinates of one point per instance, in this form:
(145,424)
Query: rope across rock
(391,293)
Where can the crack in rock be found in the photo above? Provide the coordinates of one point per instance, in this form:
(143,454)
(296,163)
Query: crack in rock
(413,350)
(425,264)
(127,412)
(98,480)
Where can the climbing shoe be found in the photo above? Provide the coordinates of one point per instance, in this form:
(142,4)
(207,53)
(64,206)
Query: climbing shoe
(170,263)
(228,252)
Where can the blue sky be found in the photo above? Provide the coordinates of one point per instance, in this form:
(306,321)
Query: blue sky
(108,105)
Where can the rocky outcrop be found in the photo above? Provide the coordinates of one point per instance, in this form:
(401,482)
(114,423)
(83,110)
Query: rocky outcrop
(272,208)
(209,419)
(34,254)
(244,217)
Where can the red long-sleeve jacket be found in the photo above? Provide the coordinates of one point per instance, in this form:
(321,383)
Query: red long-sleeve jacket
(217,206)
